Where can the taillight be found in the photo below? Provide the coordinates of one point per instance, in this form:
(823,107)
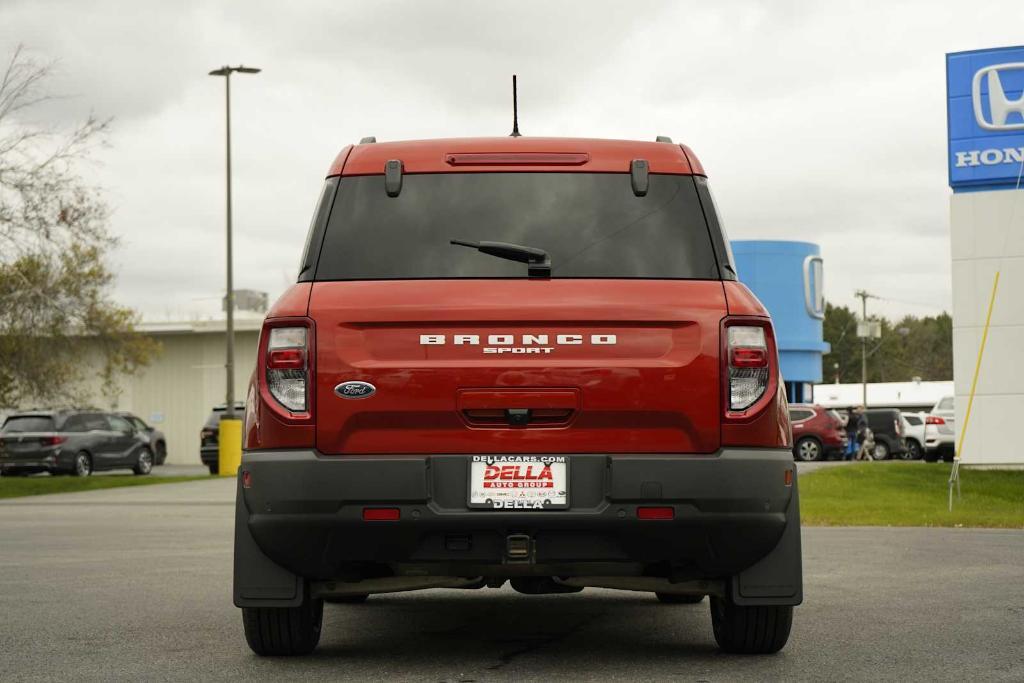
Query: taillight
(934,420)
(53,440)
(287,367)
(748,368)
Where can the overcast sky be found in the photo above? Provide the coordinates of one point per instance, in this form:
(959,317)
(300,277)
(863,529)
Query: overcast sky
(819,121)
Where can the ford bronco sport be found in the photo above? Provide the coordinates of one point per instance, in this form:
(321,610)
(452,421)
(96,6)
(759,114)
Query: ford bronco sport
(518,360)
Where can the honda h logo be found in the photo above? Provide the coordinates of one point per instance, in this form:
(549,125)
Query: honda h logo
(1000,107)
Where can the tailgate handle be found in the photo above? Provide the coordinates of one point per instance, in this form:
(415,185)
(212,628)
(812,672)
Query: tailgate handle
(498,408)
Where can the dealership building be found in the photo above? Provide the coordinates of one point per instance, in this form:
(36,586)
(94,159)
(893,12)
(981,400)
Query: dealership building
(985,107)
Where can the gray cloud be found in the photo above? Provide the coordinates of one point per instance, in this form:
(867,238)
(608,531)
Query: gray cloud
(816,121)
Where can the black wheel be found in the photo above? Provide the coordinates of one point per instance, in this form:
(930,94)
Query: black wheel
(82,464)
(808,449)
(673,599)
(144,465)
(283,631)
(881,451)
(930,456)
(947,457)
(750,630)
(913,451)
(213,469)
(347,599)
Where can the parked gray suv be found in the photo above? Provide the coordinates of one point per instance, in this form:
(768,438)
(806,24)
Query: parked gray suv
(77,442)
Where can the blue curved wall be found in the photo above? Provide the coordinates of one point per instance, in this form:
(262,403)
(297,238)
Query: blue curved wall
(774,271)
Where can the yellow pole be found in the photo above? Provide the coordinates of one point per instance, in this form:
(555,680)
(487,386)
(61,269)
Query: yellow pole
(977,368)
(229,447)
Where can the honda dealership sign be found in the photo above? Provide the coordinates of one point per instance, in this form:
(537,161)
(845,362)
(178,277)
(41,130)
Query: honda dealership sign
(985,90)
(985,106)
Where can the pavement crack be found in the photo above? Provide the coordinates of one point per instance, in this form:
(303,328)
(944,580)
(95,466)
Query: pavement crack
(528,645)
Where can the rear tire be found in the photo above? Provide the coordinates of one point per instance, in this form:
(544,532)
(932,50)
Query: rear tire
(283,631)
(674,599)
(347,599)
(913,451)
(808,449)
(144,465)
(82,466)
(882,451)
(214,469)
(750,630)
(931,456)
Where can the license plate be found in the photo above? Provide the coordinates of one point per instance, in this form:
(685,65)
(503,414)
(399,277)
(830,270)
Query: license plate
(519,482)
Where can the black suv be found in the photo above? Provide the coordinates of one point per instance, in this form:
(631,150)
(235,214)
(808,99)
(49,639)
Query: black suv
(887,427)
(77,442)
(209,436)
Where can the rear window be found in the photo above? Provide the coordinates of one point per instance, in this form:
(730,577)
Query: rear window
(800,414)
(591,225)
(28,423)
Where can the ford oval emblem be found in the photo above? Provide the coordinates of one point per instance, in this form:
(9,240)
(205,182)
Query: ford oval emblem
(355,389)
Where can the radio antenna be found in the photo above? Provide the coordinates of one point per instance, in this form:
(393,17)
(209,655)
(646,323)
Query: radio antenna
(515,110)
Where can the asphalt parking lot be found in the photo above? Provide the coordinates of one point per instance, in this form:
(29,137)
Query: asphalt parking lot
(134,583)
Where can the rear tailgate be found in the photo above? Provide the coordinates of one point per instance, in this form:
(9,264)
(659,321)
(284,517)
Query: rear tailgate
(28,446)
(602,365)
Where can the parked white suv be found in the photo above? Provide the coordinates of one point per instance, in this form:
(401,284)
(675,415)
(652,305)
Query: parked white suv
(914,431)
(940,431)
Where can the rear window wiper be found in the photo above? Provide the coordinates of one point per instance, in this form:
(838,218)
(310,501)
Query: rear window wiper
(537,260)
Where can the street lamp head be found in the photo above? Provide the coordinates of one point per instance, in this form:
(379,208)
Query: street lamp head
(227,70)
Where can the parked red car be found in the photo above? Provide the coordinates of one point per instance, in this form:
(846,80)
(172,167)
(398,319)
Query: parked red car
(818,433)
(517,360)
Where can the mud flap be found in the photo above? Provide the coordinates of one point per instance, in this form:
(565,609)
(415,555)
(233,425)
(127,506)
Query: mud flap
(776,579)
(258,581)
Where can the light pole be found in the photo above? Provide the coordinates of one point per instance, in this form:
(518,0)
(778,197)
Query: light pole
(226,72)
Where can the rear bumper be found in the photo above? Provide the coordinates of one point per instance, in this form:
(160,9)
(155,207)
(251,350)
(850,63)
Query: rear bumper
(734,517)
(28,465)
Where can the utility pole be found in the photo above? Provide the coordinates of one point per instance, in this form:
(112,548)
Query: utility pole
(864,334)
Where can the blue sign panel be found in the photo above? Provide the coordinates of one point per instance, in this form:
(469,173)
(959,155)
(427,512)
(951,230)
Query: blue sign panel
(985,111)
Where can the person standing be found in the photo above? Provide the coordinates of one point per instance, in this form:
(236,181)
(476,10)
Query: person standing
(851,434)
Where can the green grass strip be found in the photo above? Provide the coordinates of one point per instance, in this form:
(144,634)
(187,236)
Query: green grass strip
(911,494)
(17,487)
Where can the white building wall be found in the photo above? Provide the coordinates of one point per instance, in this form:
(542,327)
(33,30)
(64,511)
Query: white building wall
(987,233)
(177,391)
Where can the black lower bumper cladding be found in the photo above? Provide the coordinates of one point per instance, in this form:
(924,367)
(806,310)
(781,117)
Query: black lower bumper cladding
(731,515)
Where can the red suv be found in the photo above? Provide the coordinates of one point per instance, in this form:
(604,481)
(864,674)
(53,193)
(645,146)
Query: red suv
(518,360)
(818,433)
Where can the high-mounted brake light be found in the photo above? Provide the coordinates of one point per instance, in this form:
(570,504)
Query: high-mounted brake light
(287,371)
(517,158)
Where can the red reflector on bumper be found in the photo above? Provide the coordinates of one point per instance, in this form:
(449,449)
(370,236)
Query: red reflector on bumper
(381,514)
(655,513)
(246,479)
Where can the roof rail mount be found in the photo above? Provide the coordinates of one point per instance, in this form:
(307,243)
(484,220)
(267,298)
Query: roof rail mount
(638,175)
(370,139)
(393,177)
(663,138)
